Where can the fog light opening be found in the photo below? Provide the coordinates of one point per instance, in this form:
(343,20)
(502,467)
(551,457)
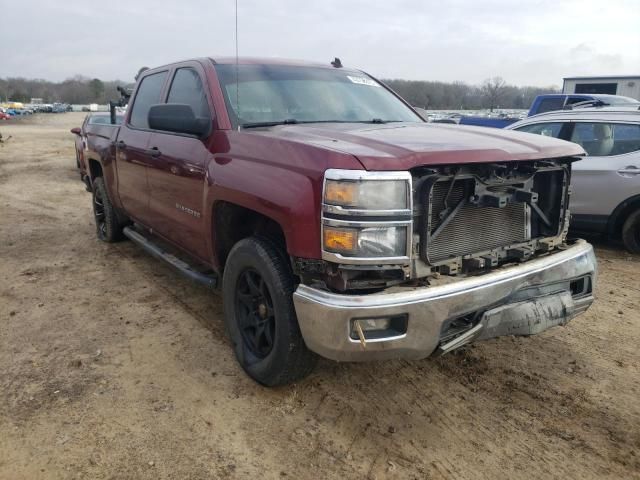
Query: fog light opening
(378,328)
(580,287)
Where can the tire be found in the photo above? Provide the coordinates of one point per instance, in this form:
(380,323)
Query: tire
(631,232)
(109,223)
(259,315)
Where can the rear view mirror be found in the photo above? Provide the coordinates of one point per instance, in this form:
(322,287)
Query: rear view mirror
(76,131)
(178,118)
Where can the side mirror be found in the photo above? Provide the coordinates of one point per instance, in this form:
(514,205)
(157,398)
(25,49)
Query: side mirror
(76,131)
(178,118)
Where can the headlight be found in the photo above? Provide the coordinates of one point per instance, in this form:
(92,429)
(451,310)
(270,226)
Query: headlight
(373,242)
(366,217)
(367,194)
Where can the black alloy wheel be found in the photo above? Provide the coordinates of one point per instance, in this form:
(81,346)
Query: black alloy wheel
(109,222)
(259,315)
(255,314)
(99,214)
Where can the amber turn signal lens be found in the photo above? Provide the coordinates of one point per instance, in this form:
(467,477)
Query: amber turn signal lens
(340,193)
(339,240)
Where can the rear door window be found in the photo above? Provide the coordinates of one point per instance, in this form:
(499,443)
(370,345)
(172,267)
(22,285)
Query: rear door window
(605,139)
(550,104)
(574,100)
(548,129)
(148,94)
(187,88)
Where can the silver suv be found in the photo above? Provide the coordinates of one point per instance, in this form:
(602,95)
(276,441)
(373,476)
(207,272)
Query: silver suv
(606,183)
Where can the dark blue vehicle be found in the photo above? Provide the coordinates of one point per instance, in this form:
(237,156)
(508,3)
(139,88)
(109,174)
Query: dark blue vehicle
(551,102)
(494,122)
(562,101)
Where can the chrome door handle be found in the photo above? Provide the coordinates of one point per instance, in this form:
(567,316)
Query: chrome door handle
(630,170)
(153,152)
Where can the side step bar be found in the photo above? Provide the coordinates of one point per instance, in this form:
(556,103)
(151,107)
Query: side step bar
(155,250)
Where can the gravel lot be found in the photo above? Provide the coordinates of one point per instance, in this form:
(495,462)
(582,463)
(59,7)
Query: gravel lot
(112,366)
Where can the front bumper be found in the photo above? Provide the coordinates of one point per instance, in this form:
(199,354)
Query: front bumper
(516,300)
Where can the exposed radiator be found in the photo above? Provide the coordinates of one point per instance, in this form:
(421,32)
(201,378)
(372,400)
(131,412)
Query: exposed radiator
(473,229)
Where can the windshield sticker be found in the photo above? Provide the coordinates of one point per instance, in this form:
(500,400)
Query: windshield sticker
(363,81)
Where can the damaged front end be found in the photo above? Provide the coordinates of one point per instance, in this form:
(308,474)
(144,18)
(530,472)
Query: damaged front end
(462,219)
(474,252)
(476,217)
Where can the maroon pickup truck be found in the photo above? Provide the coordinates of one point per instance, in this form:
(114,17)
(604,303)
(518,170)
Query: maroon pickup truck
(334,219)
(93,140)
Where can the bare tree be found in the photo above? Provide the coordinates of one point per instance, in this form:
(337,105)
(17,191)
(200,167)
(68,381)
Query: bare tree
(493,89)
(419,93)
(461,96)
(96,86)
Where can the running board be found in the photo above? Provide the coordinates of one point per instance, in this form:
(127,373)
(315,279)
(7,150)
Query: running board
(183,267)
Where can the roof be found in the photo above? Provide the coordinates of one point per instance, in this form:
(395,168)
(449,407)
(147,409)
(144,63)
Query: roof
(248,61)
(269,61)
(593,95)
(605,77)
(626,114)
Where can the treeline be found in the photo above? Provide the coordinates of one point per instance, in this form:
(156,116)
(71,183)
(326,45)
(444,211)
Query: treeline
(76,90)
(493,93)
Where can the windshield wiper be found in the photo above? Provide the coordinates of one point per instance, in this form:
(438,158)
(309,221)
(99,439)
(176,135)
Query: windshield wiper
(287,121)
(293,121)
(373,120)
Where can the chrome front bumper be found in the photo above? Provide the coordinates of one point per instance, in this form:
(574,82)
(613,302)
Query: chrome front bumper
(516,300)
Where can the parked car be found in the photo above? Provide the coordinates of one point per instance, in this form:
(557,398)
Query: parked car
(59,108)
(4,116)
(561,101)
(335,220)
(493,122)
(606,183)
(93,137)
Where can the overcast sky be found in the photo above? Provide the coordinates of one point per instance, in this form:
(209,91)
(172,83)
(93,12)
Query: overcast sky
(534,42)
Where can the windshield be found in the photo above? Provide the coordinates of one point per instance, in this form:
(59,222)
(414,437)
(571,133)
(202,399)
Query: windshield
(273,94)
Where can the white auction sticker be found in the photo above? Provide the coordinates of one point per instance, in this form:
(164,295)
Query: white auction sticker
(363,81)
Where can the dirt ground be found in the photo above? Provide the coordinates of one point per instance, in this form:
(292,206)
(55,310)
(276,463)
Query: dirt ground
(112,366)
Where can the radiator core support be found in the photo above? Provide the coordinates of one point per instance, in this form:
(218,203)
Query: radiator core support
(476,217)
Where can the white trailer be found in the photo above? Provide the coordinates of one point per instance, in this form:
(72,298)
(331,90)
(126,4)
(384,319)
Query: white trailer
(627,86)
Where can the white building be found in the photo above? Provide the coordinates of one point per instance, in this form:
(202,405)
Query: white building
(627,86)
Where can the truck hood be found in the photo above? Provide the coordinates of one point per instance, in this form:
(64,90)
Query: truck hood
(403,146)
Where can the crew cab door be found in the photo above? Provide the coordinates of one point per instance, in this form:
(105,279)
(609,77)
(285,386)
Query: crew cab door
(132,158)
(177,167)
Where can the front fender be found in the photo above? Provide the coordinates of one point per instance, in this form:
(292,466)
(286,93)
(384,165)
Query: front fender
(288,197)
(280,178)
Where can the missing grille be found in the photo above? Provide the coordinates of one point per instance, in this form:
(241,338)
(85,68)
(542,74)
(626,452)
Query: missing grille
(476,219)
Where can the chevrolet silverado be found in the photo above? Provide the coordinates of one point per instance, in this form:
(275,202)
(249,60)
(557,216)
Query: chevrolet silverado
(334,219)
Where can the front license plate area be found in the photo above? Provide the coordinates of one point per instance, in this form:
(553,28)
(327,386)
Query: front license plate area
(527,318)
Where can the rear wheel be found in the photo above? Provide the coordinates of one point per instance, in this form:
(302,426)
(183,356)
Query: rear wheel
(259,314)
(109,222)
(631,232)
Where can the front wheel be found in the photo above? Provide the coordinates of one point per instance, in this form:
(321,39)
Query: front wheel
(631,232)
(259,314)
